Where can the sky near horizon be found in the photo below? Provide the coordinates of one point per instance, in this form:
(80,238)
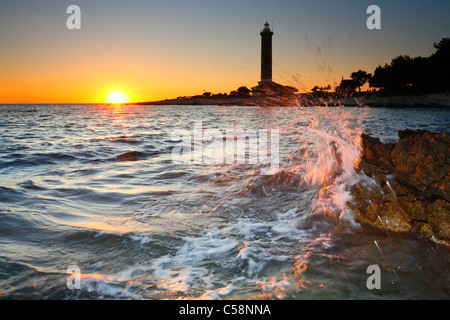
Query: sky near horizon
(158,49)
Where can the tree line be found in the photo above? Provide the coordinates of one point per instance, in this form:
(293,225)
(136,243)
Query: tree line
(404,75)
(417,75)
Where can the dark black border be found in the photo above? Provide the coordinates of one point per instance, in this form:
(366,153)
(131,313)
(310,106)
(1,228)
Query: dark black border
(170,309)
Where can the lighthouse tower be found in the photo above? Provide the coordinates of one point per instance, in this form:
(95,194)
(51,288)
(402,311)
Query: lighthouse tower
(266,53)
(266,87)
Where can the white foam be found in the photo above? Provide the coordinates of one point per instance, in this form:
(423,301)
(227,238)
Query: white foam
(287,224)
(107,287)
(217,293)
(245,240)
(143,239)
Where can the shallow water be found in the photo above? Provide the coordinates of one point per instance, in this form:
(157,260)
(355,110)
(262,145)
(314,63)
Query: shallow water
(95,186)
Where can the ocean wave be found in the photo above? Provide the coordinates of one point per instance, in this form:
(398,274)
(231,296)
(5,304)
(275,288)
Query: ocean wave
(97,189)
(134,156)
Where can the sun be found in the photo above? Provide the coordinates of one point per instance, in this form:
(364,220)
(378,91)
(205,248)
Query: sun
(117,97)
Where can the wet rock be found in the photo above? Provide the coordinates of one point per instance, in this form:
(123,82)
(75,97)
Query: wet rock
(379,206)
(438,216)
(376,153)
(422,158)
(411,184)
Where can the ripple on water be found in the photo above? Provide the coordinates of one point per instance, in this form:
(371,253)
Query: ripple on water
(97,188)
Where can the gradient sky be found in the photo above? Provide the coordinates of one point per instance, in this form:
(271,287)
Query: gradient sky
(157,49)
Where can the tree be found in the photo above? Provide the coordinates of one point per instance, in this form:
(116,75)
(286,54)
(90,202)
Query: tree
(360,78)
(244,90)
(419,75)
(440,66)
(320,92)
(443,45)
(380,77)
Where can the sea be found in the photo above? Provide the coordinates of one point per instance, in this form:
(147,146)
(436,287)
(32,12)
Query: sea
(93,205)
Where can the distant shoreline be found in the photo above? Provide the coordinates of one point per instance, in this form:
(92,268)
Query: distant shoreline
(441,100)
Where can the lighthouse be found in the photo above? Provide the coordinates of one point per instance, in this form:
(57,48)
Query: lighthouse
(266,53)
(266,87)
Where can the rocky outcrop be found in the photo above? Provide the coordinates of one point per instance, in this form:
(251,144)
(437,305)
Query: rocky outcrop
(411,184)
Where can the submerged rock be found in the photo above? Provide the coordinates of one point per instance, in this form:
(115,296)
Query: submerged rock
(411,184)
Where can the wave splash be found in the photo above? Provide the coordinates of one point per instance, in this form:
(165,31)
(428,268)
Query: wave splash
(333,166)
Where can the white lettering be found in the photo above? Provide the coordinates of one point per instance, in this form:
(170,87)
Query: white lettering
(73,282)
(374,281)
(241,147)
(74,21)
(374,21)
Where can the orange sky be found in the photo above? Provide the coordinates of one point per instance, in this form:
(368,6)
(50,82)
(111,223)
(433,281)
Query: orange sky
(164,49)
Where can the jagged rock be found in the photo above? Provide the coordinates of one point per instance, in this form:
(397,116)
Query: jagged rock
(423,227)
(438,216)
(376,153)
(380,207)
(422,159)
(415,209)
(412,184)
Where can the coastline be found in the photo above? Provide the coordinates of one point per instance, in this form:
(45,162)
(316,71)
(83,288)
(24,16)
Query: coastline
(411,184)
(440,100)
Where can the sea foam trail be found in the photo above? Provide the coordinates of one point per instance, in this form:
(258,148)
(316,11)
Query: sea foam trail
(105,195)
(318,167)
(326,167)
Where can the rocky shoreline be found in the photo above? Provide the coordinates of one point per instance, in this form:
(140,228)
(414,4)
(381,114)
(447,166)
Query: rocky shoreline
(441,100)
(245,101)
(411,188)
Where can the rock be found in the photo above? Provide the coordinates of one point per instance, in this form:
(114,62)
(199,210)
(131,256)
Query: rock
(376,153)
(438,216)
(414,208)
(422,227)
(379,206)
(412,184)
(422,159)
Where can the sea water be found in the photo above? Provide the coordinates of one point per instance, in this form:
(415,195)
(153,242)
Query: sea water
(95,186)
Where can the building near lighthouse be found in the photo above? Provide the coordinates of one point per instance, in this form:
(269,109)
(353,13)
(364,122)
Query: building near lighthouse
(267,87)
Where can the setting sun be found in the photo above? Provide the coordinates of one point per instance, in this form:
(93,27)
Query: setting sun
(117,96)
